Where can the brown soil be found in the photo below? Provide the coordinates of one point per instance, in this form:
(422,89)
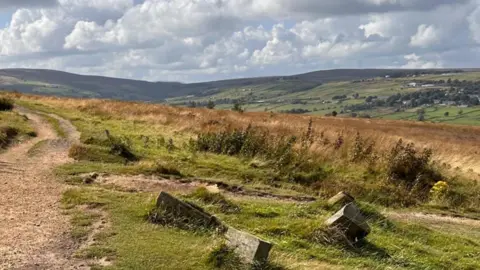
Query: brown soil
(34,234)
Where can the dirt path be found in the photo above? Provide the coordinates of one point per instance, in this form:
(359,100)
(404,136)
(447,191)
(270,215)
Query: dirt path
(33,232)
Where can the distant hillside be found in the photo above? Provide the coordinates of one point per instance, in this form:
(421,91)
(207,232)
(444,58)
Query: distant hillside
(51,82)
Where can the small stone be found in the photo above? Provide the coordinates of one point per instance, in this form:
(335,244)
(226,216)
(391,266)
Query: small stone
(341,199)
(248,247)
(88,180)
(350,221)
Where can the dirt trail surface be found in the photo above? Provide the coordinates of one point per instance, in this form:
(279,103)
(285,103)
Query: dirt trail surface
(33,232)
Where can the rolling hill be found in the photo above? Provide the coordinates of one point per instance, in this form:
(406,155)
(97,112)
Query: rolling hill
(51,82)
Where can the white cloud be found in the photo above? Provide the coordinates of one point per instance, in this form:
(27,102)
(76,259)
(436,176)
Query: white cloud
(474,23)
(425,36)
(196,40)
(415,61)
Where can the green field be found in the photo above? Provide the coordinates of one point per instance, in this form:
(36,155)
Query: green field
(278,97)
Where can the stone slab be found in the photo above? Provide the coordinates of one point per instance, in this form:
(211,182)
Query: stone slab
(351,222)
(248,247)
(342,199)
(181,208)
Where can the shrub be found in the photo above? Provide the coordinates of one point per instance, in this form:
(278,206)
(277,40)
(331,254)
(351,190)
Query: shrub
(363,150)
(7,134)
(237,107)
(439,191)
(119,148)
(407,166)
(93,153)
(167,169)
(250,142)
(6,104)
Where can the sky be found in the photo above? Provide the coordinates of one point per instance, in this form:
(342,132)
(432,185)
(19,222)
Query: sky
(202,40)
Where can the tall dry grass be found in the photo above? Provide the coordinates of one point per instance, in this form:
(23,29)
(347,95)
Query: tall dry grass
(454,145)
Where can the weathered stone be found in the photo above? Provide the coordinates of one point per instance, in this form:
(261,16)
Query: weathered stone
(350,221)
(341,199)
(187,211)
(89,179)
(248,247)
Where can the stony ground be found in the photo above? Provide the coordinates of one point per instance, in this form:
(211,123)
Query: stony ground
(33,232)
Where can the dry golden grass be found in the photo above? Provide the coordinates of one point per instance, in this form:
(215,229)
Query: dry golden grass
(458,146)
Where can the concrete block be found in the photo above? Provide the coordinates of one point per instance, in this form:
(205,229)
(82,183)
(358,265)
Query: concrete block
(248,247)
(186,210)
(350,221)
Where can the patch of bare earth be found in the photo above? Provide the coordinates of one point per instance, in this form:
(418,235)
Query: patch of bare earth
(155,184)
(451,224)
(101,224)
(142,183)
(33,232)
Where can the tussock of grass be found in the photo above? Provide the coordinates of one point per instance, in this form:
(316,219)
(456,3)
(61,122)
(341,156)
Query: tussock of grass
(14,127)
(93,153)
(222,257)
(165,168)
(6,104)
(225,206)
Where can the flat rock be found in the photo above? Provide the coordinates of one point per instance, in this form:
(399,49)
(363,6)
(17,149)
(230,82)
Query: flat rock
(350,221)
(342,198)
(250,248)
(186,210)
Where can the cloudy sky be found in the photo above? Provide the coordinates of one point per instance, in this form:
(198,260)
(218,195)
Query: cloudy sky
(199,40)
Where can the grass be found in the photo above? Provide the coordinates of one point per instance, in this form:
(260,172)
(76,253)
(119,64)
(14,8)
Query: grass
(14,128)
(153,247)
(392,244)
(56,125)
(160,136)
(277,96)
(156,134)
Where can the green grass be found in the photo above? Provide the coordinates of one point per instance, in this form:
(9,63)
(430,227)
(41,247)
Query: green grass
(289,226)
(56,126)
(155,158)
(133,243)
(15,128)
(469,116)
(277,97)
(151,247)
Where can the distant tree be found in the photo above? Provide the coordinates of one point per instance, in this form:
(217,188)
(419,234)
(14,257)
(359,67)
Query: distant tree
(211,104)
(421,111)
(369,99)
(446,114)
(237,106)
(449,81)
(421,117)
(192,104)
(354,115)
(356,95)
(460,112)
(334,113)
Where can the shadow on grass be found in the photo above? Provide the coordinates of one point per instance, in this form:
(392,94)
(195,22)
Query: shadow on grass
(365,248)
